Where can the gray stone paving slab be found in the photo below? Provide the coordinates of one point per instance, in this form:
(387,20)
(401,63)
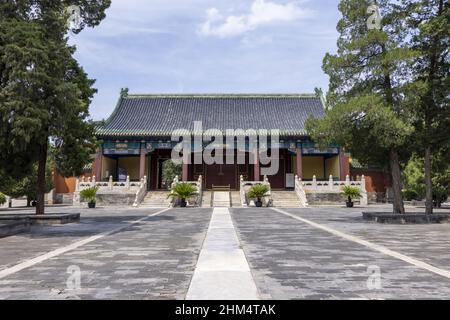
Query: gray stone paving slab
(43,239)
(427,242)
(154,259)
(292,260)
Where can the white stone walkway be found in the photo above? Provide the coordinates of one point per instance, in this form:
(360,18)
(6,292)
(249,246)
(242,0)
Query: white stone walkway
(222,271)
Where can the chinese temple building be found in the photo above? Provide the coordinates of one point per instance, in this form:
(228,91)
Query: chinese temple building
(137,139)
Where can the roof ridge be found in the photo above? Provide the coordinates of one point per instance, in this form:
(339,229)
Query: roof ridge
(222,95)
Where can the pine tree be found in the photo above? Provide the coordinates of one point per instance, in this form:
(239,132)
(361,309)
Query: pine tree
(428,23)
(367,113)
(44,93)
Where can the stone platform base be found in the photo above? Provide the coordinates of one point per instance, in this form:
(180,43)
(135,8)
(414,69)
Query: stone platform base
(115,199)
(409,218)
(48,219)
(10,228)
(324,198)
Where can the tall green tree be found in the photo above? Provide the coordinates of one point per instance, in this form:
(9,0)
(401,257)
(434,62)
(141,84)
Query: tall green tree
(428,24)
(27,186)
(366,98)
(44,93)
(415,177)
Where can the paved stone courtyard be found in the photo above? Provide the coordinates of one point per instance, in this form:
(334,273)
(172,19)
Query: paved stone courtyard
(314,253)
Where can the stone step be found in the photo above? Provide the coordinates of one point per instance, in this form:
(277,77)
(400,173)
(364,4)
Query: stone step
(221,199)
(206,199)
(236,199)
(156,199)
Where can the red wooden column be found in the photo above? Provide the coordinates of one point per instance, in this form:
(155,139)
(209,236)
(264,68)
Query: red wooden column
(257,172)
(344,165)
(98,164)
(142,162)
(187,159)
(299,162)
(185,176)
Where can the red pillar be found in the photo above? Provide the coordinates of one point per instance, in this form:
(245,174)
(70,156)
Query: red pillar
(142,163)
(185,176)
(257,172)
(299,163)
(344,165)
(98,164)
(187,158)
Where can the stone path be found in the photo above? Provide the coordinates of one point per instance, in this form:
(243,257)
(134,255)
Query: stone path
(222,272)
(238,253)
(221,199)
(152,258)
(294,259)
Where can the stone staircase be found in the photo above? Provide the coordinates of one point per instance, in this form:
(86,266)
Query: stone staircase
(236,199)
(206,199)
(221,199)
(285,199)
(156,199)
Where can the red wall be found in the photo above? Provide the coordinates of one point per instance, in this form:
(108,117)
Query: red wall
(376,180)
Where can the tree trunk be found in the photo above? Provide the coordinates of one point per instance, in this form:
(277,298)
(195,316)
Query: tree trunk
(40,207)
(396,182)
(428,182)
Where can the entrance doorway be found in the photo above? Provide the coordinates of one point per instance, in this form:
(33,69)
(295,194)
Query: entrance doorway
(221,175)
(167,171)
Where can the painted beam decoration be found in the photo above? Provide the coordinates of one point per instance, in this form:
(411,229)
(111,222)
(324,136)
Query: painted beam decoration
(122,148)
(134,147)
(313,149)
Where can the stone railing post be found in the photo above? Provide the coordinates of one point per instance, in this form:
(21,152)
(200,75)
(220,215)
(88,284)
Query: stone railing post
(127,183)
(110,183)
(300,191)
(347,180)
(94,182)
(314,182)
(141,193)
(242,191)
(76,195)
(364,199)
(331,183)
(363,183)
(176,180)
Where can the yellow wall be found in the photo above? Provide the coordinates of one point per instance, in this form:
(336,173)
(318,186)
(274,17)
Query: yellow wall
(131,165)
(332,167)
(313,166)
(108,168)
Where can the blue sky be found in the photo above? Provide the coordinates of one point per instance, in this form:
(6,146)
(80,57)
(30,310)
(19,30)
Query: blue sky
(208,46)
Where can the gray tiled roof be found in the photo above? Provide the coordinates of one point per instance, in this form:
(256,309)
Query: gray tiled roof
(160,115)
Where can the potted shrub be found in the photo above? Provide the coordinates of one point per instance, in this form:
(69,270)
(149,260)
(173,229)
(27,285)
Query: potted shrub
(2,199)
(257,192)
(90,196)
(351,193)
(183,191)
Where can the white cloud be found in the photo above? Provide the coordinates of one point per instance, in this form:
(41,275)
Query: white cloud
(261,13)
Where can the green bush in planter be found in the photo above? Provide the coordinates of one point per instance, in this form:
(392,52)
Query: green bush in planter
(257,192)
(2,199)
(89,195)
(351,193)
(183,192)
